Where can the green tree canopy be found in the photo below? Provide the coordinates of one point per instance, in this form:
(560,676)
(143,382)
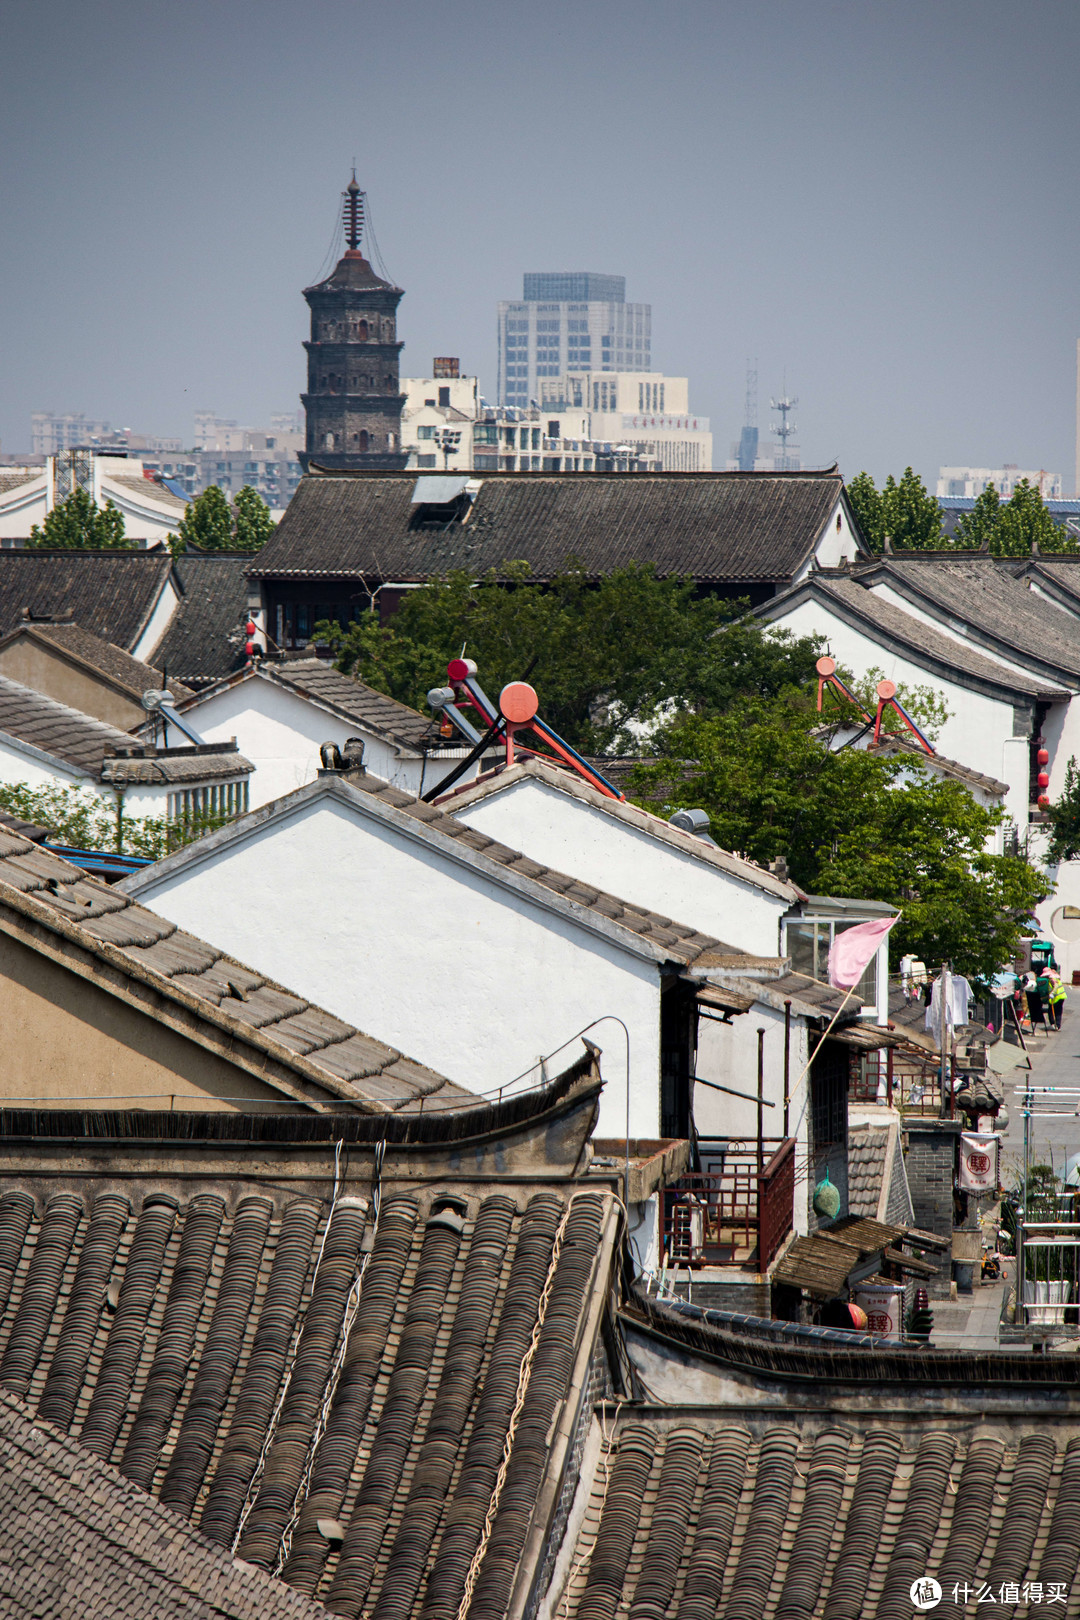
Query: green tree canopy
(212,525)
(1023,520)
(78,524)
(252,523)
(851,823)
(607,657)
(975,529)
(906,512)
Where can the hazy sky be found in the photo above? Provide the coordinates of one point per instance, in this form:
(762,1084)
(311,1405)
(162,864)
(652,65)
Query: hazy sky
(877,197)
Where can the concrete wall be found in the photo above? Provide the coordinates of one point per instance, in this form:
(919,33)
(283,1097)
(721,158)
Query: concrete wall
(836,544)
(591,844)
(281,732)
(930,1163)
(45,669)
(420,951)
(66,1039)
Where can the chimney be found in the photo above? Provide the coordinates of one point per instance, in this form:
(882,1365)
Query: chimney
(886,544)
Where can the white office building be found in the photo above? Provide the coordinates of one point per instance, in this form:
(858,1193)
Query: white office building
(650,414)
(569,321)
(968,483)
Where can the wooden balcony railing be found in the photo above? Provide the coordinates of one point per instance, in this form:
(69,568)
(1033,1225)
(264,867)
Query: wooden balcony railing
(735,1215)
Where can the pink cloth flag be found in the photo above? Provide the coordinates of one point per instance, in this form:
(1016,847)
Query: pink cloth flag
(853,951)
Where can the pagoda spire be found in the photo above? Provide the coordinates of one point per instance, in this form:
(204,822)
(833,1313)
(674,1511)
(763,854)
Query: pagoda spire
(353,215)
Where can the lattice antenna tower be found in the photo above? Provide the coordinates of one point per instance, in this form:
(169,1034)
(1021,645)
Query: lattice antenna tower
(784,430)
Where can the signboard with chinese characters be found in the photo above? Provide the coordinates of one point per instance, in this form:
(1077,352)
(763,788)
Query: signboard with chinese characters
(979,1161)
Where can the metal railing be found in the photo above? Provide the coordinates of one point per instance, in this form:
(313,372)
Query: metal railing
(738,1213)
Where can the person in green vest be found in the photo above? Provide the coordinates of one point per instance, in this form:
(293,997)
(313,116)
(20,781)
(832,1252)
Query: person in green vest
(1054,997)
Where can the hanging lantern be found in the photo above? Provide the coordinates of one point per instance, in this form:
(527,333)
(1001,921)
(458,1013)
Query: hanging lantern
(1043,780)
(249,631)
(1043,801)
(1043,756)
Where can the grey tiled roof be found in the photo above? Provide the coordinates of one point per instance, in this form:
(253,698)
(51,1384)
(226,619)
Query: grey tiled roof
(992,605)
(132,674)
(898,743)
(204,639)
(82,1541)
(813,1517)
(148,489)
(158,1332)
(311,1043)
(90,744)
(15,480)
(110,593)
(678,942)
(867,1148)
(884,621)
(724,527)
(352,699)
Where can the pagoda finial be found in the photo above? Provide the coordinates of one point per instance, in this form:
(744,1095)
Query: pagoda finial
(353,214)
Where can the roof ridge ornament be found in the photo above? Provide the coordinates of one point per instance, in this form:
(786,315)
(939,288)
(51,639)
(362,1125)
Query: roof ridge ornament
(353,214)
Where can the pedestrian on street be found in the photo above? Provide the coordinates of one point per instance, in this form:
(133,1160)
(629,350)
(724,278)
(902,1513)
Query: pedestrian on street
(1057,998)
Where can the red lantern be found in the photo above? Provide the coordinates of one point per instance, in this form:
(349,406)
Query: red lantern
(1043,756)
(251,627)
(1043,801)
(1043,779)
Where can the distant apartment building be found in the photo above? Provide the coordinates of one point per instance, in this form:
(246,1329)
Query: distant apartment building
(569,321)
(52,435)
(585,423)
(968,483)
(649,414)
(230,455)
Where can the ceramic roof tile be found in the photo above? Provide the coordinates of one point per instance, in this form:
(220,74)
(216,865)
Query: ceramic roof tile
(834,1518)
(713,526)
(132,674)
(213,1398)
(111,594)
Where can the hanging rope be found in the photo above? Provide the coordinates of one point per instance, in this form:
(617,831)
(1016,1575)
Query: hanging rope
(524,1376)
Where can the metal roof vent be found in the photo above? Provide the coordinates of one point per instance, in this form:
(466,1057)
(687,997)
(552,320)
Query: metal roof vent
(693,821)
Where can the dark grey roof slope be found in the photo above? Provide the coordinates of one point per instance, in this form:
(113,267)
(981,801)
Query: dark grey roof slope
(91,745)
(149,489)
(81,1541)
(718,527)
(903,633)
(900,743)
(160,1331)
(353,700)
(784,1521)
(204,639)
(132,674)
(990,605)
(15,480)
(246,1006)
(110,593)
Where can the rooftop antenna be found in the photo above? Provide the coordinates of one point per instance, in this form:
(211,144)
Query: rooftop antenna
(784,429)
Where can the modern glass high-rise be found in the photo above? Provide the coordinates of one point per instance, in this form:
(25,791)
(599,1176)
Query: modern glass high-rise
(569,320)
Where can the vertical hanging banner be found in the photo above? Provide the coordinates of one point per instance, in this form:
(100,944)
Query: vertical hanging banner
(979,1161)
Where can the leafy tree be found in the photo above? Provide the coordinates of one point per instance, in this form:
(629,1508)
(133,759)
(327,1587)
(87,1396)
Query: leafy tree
(212,525)
(910,515)
(610,658)
(851,823)
(904,511)
(975,529)
(1064,814)
(1025,519)
(865,499)
(207,522)
(84,819)
(79,524)
(253,524)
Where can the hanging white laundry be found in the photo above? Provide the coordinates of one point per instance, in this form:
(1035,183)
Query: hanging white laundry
(960,999)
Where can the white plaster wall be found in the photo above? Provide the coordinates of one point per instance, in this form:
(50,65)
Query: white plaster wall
(18,766)
(564,833)
(979,730)
(281,732)
(954,628)
(462,974)
(727,1054)
(836,544)
(157,623)
(22,507)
